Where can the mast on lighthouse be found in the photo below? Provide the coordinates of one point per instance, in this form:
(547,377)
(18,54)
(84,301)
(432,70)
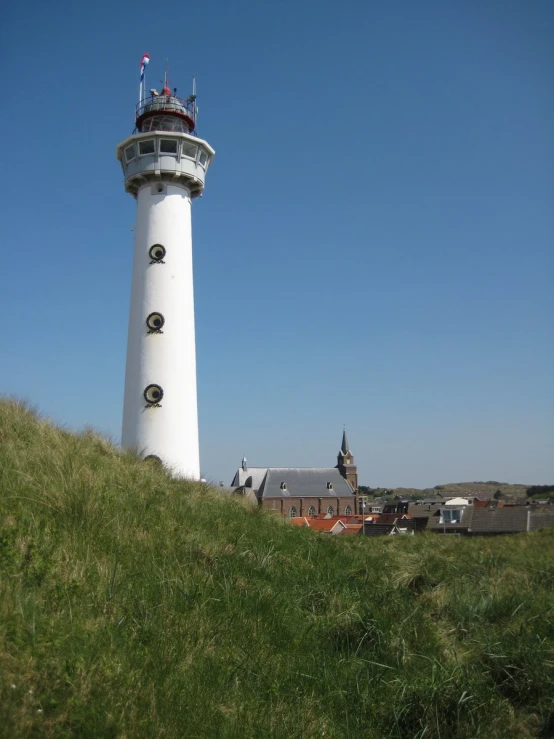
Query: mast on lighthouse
(164,165)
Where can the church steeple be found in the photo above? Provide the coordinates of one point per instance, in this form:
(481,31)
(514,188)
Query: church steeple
(344,446)
(345,463)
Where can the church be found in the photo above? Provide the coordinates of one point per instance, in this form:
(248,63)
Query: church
(303,491)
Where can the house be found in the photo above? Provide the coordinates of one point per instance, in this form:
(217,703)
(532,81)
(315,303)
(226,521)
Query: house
(475,521)
(332,525)
(401,507)
(368,505)
(387,524)
(384,529)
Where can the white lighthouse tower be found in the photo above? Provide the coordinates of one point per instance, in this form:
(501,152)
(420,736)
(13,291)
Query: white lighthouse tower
(164,165)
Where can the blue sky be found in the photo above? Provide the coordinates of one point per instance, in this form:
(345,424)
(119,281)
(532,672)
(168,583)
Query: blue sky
(374,247)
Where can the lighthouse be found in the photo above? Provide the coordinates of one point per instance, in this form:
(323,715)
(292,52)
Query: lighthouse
(164,167)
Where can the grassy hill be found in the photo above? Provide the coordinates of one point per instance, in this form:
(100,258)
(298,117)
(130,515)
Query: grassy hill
(133,605)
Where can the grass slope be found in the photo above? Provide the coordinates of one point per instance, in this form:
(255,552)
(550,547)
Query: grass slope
(133,605)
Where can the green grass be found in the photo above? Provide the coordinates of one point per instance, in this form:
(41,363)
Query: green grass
(133,605)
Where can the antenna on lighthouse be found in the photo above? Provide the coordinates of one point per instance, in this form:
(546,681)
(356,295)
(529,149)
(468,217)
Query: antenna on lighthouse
(193,99)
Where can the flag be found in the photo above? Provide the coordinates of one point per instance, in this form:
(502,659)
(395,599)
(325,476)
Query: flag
(143,62)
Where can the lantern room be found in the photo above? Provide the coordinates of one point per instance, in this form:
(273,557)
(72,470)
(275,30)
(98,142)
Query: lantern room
(166,112)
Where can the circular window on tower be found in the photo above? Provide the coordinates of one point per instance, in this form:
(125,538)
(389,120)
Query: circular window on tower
(153,458)
(157,253)
(153,394)
(155,321)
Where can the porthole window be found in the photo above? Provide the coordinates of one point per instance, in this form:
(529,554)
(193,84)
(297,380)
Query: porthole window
(155,321)
(292,512)
(157,252)
(203,157)
(168,146)
(189,150)
(153,394)
(153,458)
(147,147)
(129,153)
(311,511)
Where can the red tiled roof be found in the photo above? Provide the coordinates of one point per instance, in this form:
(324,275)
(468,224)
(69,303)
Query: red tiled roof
(352,529)
(299,521)
(321,524)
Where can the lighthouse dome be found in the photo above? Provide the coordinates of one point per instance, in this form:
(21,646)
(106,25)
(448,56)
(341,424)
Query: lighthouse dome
(166,102)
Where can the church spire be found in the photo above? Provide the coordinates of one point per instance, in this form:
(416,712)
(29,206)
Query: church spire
(345,462)
(344,446)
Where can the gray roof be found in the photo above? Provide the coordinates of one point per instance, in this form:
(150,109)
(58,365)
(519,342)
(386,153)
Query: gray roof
(508,520)
(304,482)
(499,520)
(383,529)
(541,519)
(251,477)
(418,510)
(377,529)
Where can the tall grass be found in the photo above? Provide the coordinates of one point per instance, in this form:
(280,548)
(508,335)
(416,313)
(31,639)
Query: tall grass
(135,605)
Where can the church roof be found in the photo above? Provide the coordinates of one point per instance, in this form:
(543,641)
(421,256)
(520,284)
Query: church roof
(242,476)
(303,482)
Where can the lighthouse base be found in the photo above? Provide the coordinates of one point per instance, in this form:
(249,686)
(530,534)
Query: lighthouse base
(160,415)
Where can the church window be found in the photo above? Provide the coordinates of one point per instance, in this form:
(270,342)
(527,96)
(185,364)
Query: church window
(330,510)
(348,511)
(292,512)
(311,511)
